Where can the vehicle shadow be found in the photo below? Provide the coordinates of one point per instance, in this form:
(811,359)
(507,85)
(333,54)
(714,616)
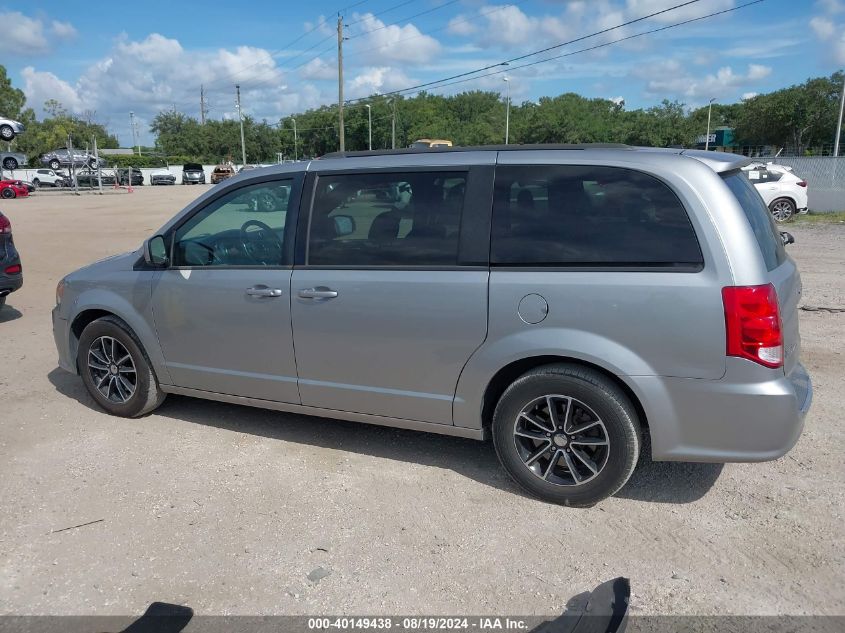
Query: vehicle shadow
(8,313)
(665,482)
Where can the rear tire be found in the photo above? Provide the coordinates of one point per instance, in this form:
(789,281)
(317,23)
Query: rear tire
(590,411)
(36,183)
(6,132)
(108,357)
(10,164)
(8,193)
(783,210)
(54,165)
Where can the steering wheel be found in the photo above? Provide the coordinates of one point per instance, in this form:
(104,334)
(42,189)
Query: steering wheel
(262,246)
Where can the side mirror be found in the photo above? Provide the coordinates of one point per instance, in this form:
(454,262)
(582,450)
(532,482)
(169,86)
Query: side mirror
(155,252)
(787,238)
(344,225)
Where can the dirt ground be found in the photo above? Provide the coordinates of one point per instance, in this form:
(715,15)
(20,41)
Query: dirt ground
(233,510)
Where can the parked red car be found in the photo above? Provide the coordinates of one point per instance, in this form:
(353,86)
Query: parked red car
(13,189)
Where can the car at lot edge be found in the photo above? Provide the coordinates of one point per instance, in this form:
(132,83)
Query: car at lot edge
(430,143)
(221,172)
(783,192)
(12,160)
(193,174)
(63,157)
(543,296)
(123,177)
(9,129)
(48,177)
(11,273)
(90,178)
(162,177)
(13,189)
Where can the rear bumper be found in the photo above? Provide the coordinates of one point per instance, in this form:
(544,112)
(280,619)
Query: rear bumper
(9,283)
(751,415)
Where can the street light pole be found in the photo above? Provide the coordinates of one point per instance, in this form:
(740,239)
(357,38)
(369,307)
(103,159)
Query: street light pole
(294,138)
(839,120)
(709,112)
(393,125)
(369,126)
(132,129)
(508,111)
(241,117)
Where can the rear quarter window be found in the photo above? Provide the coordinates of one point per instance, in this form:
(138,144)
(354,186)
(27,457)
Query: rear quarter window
(762,223)
(589,216)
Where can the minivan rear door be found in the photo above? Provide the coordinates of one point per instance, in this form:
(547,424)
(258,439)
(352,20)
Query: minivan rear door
(390,298)
(783,273)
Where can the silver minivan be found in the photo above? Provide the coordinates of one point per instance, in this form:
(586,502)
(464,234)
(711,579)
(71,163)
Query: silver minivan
(563,300)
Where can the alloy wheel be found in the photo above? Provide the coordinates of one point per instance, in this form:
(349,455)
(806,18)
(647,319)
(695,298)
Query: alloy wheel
(782,210)
(561,440)
(112,369)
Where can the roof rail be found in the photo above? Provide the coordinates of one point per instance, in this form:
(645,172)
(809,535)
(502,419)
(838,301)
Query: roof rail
(477,148)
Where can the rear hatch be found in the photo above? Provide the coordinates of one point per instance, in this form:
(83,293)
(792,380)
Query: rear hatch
(783,273)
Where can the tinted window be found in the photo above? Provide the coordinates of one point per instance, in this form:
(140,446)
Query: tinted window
(566,215)
(245,227)
(406,219)
(761,221)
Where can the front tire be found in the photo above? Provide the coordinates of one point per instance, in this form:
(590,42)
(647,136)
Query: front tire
(54,165)
(6,132)
(10,164)
(8,193)
(115,369)
(567,434)
(782,209)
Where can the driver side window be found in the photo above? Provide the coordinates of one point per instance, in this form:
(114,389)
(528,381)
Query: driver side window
(245,227)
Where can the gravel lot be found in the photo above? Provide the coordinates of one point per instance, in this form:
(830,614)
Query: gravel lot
(229,509)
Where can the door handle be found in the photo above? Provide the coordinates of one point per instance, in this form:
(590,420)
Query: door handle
(264,291)
(320,292)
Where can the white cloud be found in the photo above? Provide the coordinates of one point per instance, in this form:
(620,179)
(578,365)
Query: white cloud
(831,6)
(63,30)
(823,27)
(41,86)
(462,25)
(506,26)
(377,79)
(379,42)
(22,35)
(639,8)
(318,69)
(670,79)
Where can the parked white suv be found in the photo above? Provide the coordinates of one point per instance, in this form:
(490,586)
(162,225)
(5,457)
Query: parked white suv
(783,192)
(47,177)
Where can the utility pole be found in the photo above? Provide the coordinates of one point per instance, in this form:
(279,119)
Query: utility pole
(133,129)
(294,138)
(508,111)
(709,112)
(369,126)
(241,117)
(839,120)
(340,81)
(202,105)
(393,125)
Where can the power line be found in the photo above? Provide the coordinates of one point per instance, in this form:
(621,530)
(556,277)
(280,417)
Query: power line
(548,48)
(583,50)
(410,17)
(388,10)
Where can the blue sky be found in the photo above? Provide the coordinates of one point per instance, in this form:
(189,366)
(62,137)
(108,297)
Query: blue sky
(157,54)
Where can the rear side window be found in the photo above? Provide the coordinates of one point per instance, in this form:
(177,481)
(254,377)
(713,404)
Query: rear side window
(394,219)
(571,215)
(761,221)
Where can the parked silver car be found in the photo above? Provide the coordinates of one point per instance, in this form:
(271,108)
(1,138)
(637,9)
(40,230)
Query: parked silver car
(63,157)
(563,300)
(12,160)
(10,128)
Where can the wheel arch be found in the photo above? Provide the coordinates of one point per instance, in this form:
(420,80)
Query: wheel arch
(137,325)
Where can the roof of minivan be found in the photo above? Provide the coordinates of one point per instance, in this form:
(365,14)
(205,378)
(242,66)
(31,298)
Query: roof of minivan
(717,161)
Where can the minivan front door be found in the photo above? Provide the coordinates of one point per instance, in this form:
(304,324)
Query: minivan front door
(385,313)
(222,309)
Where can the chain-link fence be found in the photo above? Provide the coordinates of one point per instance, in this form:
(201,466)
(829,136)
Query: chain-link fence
(825,176)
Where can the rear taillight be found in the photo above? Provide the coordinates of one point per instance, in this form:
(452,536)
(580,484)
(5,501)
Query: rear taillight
(801,183)
(5,225)
(752,324)
(13,270)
